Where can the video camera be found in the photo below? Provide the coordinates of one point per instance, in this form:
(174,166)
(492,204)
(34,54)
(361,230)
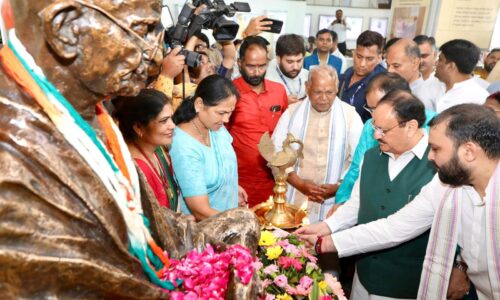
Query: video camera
(211,18)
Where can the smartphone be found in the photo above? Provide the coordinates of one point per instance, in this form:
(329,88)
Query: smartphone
(276,26)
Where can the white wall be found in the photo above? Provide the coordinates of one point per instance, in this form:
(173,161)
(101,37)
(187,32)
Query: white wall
(366,13)
(296,11)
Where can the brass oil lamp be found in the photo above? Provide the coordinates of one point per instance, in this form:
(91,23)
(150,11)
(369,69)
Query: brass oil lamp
(276,212)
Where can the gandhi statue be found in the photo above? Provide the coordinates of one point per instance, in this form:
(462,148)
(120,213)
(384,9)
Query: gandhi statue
(69,196)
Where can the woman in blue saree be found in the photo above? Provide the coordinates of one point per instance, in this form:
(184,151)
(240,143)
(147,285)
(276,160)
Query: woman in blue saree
(202,153)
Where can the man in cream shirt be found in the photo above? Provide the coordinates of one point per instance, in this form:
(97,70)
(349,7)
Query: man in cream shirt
(330,130)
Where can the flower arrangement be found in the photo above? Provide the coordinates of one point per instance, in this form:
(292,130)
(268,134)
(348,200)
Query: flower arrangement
(288,271)
(205,274)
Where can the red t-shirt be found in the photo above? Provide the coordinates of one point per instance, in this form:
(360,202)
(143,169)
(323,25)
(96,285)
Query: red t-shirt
(253,116)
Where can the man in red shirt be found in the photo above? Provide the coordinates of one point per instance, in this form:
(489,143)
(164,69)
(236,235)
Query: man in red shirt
(258,110)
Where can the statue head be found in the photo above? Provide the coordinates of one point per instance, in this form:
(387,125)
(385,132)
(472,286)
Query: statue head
(92,47)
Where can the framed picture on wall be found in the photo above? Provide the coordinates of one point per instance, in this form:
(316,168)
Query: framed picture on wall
(356,24)
(307,25)
(379,25)
(325,21)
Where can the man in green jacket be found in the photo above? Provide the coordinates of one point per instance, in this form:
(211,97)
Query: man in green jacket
(392,173)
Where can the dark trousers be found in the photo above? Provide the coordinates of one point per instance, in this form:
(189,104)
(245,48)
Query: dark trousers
(342,47)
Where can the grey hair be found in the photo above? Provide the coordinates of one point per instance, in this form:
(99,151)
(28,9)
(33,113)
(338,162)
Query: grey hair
(412,50)
(323,69)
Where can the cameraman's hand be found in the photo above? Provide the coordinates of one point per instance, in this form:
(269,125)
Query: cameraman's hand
(172,63)
(256,26)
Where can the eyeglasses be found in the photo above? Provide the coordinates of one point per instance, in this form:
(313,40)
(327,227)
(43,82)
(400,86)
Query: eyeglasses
(383,132)
(150,52)
(368,109)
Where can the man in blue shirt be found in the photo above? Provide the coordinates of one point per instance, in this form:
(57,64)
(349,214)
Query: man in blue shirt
(380,85)
(366,59)
(321,55)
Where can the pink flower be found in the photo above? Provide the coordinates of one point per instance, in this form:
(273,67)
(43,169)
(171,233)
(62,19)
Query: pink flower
(280,233)
(307,255)
(206,274)
(327,297)
(311,265)
(257,265)
(265,283)
(305,282)
(334,285)
(270,269)
(270,297)
(287,262)
(281,281)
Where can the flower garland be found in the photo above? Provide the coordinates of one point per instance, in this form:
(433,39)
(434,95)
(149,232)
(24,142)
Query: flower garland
(288,271)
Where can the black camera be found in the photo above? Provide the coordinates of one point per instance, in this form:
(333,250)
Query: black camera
(211,18)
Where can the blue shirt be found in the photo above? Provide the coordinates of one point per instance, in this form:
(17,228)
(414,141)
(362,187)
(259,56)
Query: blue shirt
(355,94)
(313,60)
(202,170)
(366,142)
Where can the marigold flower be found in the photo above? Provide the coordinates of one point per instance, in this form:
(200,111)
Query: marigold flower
(322,285)
(274,252)
(267,238)
(284,297)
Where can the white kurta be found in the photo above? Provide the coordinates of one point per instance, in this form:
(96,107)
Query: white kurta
(428,91)
(416,217)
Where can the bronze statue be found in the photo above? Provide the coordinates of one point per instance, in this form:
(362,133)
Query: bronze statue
(62,232)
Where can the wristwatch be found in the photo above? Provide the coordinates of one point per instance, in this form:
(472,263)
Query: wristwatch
(462,266)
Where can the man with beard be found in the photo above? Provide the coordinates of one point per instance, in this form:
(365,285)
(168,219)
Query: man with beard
(287,67)
(489,62)
(461,203)
(322,54)
(77,220)
(258,110)
(391,175)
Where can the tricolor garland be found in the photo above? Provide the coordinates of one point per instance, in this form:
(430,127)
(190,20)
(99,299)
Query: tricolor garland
(120,180)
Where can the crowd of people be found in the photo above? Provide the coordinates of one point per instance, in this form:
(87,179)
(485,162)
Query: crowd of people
(401,150)
(402,91)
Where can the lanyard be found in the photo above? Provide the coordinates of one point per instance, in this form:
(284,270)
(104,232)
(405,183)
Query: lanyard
(351,100)
(286,84)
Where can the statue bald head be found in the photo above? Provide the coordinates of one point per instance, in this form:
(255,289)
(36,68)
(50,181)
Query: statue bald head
(109,47)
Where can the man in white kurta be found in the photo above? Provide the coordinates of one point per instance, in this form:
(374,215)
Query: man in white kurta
(462,203)
(330,130)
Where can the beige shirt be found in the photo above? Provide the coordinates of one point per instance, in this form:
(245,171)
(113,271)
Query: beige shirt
(313,167)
